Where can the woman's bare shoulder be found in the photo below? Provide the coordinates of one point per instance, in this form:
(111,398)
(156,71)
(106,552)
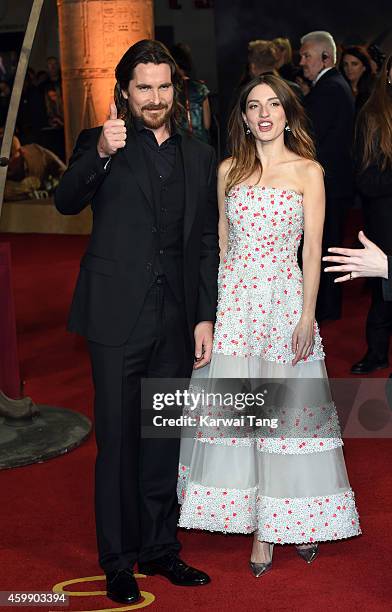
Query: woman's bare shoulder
(225,166)
(307,171)
(310,168)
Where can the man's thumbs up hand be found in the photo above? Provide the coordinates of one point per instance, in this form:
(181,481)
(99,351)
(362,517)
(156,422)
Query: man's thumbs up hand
(113,135)
(112,111)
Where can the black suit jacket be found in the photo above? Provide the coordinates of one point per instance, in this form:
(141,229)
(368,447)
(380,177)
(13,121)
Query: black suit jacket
(116,270)
(330,108)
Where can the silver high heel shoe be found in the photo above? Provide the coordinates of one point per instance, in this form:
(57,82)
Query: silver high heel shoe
(308,554)
(258,569)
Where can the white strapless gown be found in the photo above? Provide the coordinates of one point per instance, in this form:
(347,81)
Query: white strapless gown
(292,487)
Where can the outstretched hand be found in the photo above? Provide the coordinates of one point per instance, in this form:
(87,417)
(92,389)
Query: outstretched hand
(113,135)
(369,261)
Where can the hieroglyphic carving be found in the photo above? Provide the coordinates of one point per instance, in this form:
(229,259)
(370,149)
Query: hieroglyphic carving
(94,34)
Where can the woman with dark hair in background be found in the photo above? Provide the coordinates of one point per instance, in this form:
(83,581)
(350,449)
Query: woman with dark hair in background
(196,118)
(373,154)
(356,68)
(288,485)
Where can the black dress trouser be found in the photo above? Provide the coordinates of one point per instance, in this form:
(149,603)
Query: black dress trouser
(329,300)
(378,323)
(135,478)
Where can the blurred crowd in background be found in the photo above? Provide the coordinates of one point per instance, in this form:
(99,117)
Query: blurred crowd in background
(37,158)
(41,115)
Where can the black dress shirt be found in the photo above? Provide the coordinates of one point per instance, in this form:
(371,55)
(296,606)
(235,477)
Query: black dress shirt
(163,156)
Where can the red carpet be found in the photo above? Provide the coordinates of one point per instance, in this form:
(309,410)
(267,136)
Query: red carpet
(46,515)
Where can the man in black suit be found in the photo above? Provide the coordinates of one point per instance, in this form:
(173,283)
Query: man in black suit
(330,109)
(145,300)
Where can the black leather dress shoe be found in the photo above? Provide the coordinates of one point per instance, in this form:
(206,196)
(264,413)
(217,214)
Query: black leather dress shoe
(175,570)
(368,364)
(121,586)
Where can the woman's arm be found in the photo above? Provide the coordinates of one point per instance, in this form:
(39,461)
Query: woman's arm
(223,225)
(314,211)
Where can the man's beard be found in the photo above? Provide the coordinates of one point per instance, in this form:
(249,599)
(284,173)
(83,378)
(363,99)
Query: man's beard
(155,122)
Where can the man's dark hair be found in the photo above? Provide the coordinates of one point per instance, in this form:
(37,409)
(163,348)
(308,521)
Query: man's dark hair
(143,52)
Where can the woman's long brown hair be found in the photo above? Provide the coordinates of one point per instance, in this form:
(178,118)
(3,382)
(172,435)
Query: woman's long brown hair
(245,160)
(374,125)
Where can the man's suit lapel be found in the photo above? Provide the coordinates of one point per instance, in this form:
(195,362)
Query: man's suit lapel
(134,155)
(191,174)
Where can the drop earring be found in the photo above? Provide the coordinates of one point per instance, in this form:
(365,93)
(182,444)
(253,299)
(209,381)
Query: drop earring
(247,129)
(287,128)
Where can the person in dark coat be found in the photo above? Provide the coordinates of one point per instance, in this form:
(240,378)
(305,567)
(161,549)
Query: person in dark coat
(330,109)
(373,164)
(373,157)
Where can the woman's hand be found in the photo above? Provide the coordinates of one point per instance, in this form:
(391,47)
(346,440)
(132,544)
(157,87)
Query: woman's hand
(370,261)
(303,339)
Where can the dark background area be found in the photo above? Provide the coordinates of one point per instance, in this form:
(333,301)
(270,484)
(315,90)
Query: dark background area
(11,41)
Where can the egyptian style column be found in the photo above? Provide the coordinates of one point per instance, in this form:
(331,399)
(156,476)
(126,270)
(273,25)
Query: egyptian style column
(94,34)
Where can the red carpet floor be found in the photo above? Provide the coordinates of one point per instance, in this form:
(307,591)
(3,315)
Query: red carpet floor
(46,514)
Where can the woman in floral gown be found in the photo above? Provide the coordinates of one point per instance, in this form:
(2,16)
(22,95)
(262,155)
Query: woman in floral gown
(289,485)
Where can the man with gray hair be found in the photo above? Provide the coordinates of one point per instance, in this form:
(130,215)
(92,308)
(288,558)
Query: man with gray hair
(330,109)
